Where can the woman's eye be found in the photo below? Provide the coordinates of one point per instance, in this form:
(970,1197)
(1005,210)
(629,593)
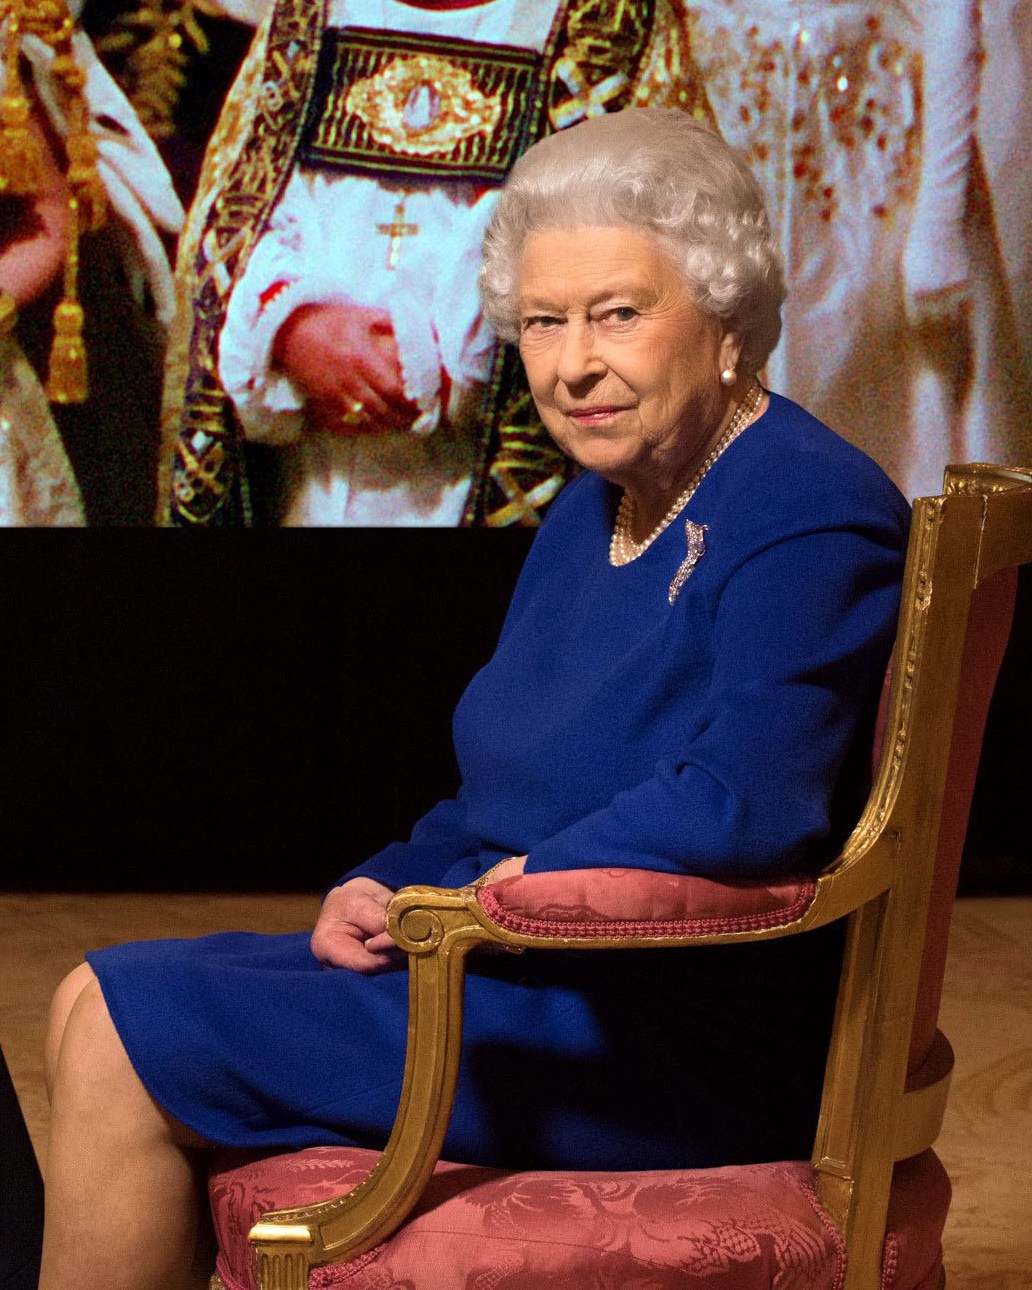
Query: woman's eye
(540,322)
(622,314)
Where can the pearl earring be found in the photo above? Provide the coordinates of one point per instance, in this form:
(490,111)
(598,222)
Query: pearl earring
(728,376)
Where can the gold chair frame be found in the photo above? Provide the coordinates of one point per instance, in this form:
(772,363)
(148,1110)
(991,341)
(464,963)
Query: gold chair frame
(871,1114)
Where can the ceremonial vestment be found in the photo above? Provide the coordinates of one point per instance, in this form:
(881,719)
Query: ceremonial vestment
(726,733)
(369,180)
(858,119)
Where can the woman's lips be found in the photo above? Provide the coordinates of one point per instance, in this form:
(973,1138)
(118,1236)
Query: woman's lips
(595,415)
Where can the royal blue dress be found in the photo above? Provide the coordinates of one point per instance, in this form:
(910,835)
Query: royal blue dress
(726,733)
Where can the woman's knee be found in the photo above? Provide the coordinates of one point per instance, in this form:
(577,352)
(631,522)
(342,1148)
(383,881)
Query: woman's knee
(93,1069)
(61,1006)
(90,1046)
(95,1074)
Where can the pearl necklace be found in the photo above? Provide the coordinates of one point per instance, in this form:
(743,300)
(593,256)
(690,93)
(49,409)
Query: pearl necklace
(622,547)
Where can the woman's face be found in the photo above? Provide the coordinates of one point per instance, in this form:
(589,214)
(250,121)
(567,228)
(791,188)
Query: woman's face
(624,368)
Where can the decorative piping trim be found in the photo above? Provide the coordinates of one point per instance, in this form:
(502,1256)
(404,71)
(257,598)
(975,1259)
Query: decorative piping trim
(890,1261)
(810,1192)
(334,1273)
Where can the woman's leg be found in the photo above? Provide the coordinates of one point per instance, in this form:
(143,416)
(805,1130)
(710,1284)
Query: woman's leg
(60,1006)
(125,1205)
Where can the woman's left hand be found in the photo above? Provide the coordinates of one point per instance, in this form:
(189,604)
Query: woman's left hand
(351,931)
(511,868)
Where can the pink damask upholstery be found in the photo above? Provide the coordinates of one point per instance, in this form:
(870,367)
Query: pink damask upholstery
(638,902)
(483,1229)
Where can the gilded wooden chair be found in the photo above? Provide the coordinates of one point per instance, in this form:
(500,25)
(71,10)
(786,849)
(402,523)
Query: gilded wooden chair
(867,1210)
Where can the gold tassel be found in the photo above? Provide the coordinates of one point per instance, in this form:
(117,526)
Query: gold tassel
(66,379)
(81,149)
(21,158)
(21,174)
(83,177)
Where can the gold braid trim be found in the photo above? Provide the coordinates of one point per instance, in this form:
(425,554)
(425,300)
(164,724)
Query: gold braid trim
(246,167)
(669,75)
(231,131)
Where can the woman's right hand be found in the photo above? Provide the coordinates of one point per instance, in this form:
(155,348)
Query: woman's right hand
(344,359)
(351,931)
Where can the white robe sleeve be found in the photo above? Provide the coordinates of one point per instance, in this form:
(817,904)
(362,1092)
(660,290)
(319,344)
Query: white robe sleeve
(466,341)
(322,247)
(936,265)
(288,268)
(443,340)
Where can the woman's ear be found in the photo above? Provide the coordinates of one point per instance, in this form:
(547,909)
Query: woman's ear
(730,350)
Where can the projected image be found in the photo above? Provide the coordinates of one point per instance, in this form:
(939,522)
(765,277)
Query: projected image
(87,210)
(862,122)
(328,364)
(333,252)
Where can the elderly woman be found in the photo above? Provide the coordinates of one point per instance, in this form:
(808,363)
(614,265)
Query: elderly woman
(684,682)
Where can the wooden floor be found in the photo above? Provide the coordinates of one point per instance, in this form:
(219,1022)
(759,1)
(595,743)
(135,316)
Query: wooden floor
(987,1013)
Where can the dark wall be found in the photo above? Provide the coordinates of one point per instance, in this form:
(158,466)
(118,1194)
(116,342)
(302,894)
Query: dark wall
(236,709)
(265,709)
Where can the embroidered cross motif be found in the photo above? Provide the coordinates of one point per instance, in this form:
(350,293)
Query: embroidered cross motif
(396,230)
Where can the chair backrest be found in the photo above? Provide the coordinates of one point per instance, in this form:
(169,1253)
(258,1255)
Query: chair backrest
(888,1069)
(894,877)
(992,611)
(988,630)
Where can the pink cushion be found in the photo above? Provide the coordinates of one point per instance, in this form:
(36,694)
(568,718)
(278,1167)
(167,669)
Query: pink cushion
(720,1229)
(638,902)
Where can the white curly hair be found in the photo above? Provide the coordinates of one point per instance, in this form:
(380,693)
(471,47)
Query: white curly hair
(660,171)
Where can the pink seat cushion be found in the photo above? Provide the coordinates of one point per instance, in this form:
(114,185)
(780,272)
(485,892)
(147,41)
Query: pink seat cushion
(738,1228)
(638,902)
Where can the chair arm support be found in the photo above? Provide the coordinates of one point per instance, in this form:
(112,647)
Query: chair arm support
(437,928)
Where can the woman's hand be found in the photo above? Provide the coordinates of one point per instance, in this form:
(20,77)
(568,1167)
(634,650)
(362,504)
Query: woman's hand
(344,359)
(33,247)
(511,868)
(351,931)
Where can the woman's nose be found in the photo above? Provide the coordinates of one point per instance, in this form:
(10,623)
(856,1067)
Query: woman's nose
(578,359)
